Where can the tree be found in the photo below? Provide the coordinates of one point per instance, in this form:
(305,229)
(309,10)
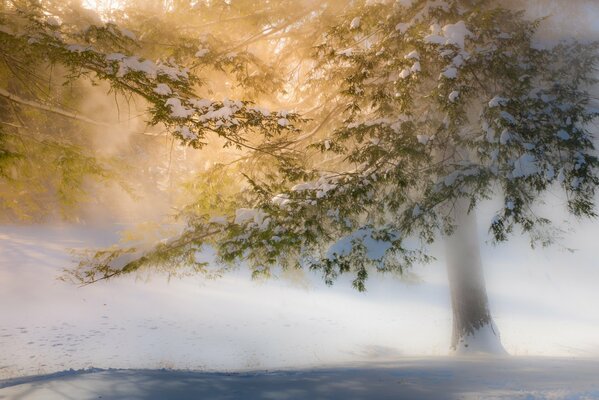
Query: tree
(423,110)
(54,53)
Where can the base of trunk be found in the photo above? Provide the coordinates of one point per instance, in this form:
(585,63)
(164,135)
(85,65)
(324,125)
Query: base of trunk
(483,341)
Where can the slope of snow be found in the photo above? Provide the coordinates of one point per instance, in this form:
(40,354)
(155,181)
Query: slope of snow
(486,340)
(413,379)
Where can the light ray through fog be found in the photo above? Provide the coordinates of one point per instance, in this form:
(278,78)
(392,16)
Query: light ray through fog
(543,301)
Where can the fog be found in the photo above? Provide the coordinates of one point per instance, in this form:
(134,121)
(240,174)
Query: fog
(543,301)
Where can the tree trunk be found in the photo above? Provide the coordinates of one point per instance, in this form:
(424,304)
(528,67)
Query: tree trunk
(473,329)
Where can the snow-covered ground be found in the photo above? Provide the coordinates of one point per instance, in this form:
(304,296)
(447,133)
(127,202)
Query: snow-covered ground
(544,303)
(410,379)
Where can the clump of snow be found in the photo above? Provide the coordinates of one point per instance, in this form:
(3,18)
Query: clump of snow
(375,248)
(355,23)
(563,135)
(561,176)
(450,34)
(253,216)
(200,103)
(322,186)
(218,220)
(280,199)
(450,73)
(509,118)
(505,137)
(405,73)
(177,109)
(187,133)
(54,21)
(484,341)
(454,95)
(416,211)
(346,52)
(413,55)
(525,166)
(456,33)
(423,139)
(128,33)
(497,101)
(133,63)
(402,27)
(163,89)
(115,57)
(263,110)
(201,52)
(78,48)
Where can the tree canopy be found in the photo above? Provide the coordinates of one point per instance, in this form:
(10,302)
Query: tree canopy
(385,115)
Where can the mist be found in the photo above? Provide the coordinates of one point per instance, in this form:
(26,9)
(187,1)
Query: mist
(542,300)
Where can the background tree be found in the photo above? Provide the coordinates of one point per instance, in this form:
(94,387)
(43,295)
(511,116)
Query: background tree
(55,53)
(418,112)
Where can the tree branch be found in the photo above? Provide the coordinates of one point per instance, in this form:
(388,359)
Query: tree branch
(16,99)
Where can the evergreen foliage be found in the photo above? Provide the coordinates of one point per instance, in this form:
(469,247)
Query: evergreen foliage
(401,109)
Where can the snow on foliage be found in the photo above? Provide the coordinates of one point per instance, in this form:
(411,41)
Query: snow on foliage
(450,34)
(374,248)
(506,118)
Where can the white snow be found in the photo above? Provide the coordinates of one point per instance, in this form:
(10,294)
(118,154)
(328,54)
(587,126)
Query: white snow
(218,220)
(133,63)
(115,57)
(416,211)
(485,340)
(525,165)
(563,135)
(78,48)
(454,95)
(322,186)
(233,324)
(280,199)
(402,27)
(509,118)
(187,133)
(178,110)
(346,52)
(254,216)
(497,101)
(413,55)
(163,89)
(452,34)
(405,73)
(201,52)
(423,139)
(375,249)
(450,73)
(505,136)
(128,33)
(355,23)
(200,103)
(456,33)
